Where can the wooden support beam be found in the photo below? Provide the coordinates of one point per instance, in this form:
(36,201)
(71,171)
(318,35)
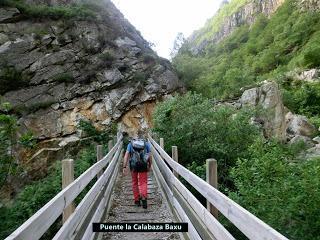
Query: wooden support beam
(99,157)
(175,157)
(67,178)
(162,143)
(212,179)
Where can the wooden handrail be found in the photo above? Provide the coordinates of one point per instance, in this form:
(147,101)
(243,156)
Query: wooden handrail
(213,226)
(183,216)
(68,229)
(102,205)
(245,221)
(40,222)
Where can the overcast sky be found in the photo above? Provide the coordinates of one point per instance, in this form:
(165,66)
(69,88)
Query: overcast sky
(159,21)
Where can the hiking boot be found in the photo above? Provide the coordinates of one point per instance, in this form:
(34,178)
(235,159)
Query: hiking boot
(144,203)
(138,202)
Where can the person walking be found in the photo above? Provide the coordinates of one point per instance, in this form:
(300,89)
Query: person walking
(139,158)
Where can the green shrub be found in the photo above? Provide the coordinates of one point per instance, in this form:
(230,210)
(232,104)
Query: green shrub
(11,79)
(97,135)
(201,132)
(139,77)
(270,47)
(64,77)
(279,190)
(107,59)
(38,193)
(27,140)
(8,128)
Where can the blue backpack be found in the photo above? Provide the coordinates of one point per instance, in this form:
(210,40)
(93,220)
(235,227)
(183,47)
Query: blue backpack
(139,155)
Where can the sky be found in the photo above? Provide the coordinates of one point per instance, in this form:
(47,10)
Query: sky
(159,21)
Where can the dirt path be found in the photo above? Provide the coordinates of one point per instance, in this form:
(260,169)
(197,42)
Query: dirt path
(124,210)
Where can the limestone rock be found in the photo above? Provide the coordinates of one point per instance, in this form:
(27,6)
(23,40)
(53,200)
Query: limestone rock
(299,125)
(79,69)
(312,75)
(68,140)
(8,13)
(306,140)
(247,14)
(316,139)
(268,96)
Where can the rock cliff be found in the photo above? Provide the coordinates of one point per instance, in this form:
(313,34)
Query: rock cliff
(246,14)
(56,71)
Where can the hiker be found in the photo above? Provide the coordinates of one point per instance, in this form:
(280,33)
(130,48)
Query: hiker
(138,154)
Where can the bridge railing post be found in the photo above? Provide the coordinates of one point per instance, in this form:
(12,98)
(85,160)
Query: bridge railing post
(212,179)
(162,143)
(99,157)
(175,157)
(67,178)
(110,145)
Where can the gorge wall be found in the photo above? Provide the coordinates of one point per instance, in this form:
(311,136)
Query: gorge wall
(244,15)
(57,71)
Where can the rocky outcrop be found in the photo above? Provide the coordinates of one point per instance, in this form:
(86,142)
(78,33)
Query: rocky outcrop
(269,98)
(310,75)
(99,70)
(246,14)
(299,125)
(91,70)
(277,121)
(307,5)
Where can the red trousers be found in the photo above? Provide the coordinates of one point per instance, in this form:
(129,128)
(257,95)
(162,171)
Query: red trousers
(139,184)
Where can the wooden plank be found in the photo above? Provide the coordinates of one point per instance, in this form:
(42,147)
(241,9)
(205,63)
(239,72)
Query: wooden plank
(211,223)
(67,231)
(100,210)
(67,179)
(212,179)
(246,222)
(39,223)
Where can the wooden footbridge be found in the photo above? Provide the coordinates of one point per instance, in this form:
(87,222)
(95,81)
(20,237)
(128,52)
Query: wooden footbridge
(110,200)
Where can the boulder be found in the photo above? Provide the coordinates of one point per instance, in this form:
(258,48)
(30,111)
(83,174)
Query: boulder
(299,125)
(268,96)
(7,13)
(306,140)
(311,75)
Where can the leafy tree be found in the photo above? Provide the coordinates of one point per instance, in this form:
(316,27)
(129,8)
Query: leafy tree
(202,132)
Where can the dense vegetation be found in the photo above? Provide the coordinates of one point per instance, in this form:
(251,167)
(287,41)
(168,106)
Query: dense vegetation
(271,47)
(37,193)
(273,180)
(264,176)
(202,132)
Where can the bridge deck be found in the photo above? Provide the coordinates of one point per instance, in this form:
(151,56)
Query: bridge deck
(124,210)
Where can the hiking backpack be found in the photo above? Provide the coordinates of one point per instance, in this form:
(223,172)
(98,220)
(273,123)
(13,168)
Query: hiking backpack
(139,156)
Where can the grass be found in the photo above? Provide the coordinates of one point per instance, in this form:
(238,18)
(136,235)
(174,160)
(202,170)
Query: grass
(78,11)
